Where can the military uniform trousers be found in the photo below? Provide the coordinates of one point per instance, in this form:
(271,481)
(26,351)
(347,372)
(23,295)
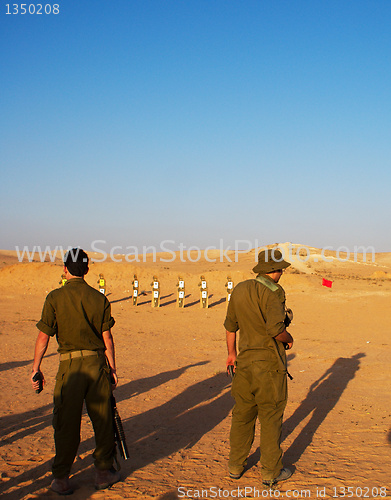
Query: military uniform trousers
(259,390)
(82,379)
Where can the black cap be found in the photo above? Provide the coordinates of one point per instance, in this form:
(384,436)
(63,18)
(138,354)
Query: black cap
(76,261)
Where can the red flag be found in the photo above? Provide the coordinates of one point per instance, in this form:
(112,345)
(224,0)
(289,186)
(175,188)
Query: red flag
(327,283)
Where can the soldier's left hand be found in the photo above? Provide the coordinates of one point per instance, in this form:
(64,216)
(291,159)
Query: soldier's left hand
(114,380)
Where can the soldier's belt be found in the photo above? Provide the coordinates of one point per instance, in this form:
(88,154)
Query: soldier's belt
(78,354)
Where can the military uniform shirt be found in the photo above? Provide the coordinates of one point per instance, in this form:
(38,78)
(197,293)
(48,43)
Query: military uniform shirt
(78,315)
(258,311)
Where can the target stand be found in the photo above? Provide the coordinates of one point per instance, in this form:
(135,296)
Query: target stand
(155,292)
(63,280)
(203,293)
(135,289)
(102,284)
(229,286)
(180,293)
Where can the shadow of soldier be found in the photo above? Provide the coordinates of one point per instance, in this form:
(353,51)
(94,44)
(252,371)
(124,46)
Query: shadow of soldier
(179,423)
(15,427)
(141,385)
(322,396)
(10,365)
(389,436)
(40,472)
(164,430)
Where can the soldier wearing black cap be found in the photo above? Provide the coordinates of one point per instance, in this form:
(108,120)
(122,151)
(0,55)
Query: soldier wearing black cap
(80,318)
(259,386)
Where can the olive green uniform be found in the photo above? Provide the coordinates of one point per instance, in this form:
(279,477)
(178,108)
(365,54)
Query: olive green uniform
(259,387)
(78,315)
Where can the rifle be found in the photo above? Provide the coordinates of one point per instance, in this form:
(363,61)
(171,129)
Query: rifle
(119,431)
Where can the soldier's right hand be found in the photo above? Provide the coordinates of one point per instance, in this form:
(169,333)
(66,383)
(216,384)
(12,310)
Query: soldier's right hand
(38,382)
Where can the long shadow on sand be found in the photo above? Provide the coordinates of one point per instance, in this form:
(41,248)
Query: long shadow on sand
(10,365)
(149,301)
(121,300)
(217,302)
(168,303)
(141,385)
(152,435)
(190,304)
(15,427)
(130,297)
(178,423)
(322,396)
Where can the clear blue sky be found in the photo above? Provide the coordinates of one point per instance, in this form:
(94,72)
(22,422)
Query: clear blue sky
(137,121)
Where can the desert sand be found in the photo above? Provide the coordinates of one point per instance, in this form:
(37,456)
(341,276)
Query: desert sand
(174,395)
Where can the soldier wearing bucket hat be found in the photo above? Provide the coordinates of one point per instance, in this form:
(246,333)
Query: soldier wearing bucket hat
(269,261)
(259,387)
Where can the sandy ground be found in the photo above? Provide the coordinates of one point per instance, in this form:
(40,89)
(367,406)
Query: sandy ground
(174,396)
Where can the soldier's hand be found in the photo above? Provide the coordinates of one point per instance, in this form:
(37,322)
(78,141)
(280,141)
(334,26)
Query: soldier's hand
(38,382)
(231,370)
(114,379)
(231,361)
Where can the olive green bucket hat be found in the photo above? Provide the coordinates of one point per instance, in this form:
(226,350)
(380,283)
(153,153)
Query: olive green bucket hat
(270,261)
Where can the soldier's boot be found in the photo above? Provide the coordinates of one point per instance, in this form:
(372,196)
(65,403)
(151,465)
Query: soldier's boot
(61,486)
(285,474)
(106,478)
